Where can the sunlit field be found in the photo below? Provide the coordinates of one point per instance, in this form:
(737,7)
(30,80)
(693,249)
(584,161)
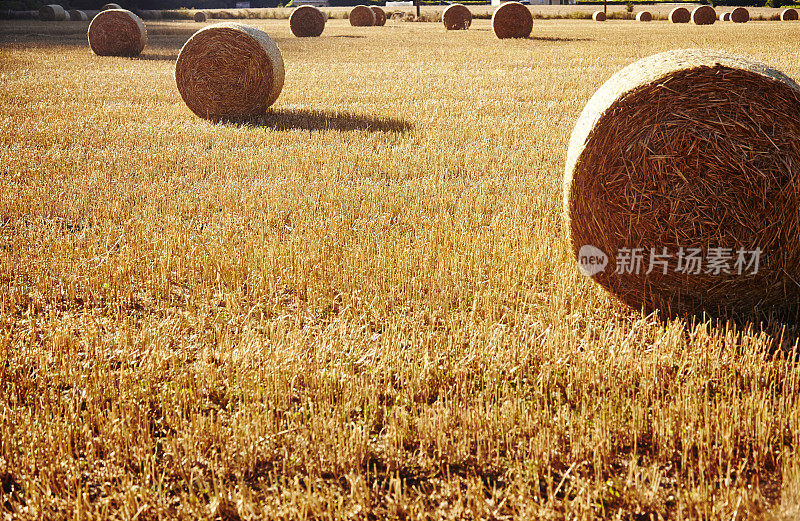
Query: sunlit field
(361,305)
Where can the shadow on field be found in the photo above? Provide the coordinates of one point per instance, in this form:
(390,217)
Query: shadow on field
(158,57)
(301,119)
(555,39)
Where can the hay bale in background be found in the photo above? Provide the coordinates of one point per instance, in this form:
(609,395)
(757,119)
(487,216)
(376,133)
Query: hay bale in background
(690,149)
(457,17)
(644,16)
(110,6)
(229,71)
(361,16)
(52,13)
(77,16)
(680,15)
(725,17)
(380,15)
(788,15)
(512,20)
(307,21)
(599,16)
(740,15)
(117,32)
(704,15)
(200,16)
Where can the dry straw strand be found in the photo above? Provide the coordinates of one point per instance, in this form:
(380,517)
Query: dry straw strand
(704,15)
(380,15)
(106,7)
(307,21)
(362,16)
(200,16)
(117,32)
(788,15)
(690,149)
(77,16)
(229,71)
(740,15)
(52,13)
(599,16)
(644,16)
(512,20)
(680,15)
(457,17)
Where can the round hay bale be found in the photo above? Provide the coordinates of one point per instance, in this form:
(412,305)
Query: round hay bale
(704,15)
(457,17)
(52,13)
(117,32)
(306,20)
(690,155)
(725,17)
(512,20)
(362,16)
(110,6)
(644,16)
(599,16)
(77,16)
(740,15)
(788,15)
(200,16)
(380,15)
(229,71)
(680,15)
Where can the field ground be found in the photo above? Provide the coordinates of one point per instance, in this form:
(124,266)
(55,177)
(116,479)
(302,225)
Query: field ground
(361,305)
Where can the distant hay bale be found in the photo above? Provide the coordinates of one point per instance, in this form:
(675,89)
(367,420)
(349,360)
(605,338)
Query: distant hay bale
(200,16)
(362,16)
(457,17)
(306,21)
(692,156)
(229,71)
(644,16)
(725,17)
(512,20)
(380,15)
(788,15)
(680,15)
(110,6)
(52,13)
(704,15)
(117,32)
(599,16)
(740,15)
(77,16)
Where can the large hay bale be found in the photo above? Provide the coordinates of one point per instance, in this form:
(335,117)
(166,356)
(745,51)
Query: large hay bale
(306,20)
(361,16)
(117,32)
(200,16)
(457,17)
(788,15)
(692,156)
(704,15)
(380,15)
(599,16)
(680,15)
(740,15)
(644,16)
(107,7)
(229,71)
(52,13)
(77,16)
(725,17)
(512,20)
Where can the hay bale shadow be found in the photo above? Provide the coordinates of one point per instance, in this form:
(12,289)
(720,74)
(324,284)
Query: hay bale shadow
(315,120)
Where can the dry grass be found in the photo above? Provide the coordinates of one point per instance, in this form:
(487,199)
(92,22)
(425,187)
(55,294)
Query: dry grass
(362,303)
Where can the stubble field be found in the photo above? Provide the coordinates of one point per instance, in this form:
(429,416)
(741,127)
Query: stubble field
(361,305)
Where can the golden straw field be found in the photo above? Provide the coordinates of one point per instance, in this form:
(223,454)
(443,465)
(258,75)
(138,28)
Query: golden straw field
(360,306)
